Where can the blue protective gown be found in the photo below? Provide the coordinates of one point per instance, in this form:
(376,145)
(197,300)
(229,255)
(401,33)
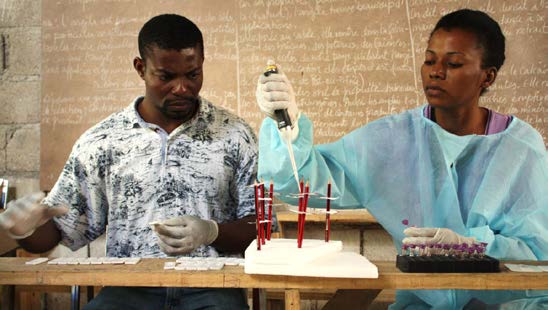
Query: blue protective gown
(405,166)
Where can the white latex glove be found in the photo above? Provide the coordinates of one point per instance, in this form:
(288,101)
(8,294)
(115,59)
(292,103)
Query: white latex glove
(274,92)
(183,234)
(24,215)
(416,235)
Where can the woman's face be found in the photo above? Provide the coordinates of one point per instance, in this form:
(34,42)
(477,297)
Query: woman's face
(452,76)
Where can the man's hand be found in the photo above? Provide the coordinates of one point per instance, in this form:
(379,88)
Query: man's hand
(24,215)
(417,235)
(274,92)
(182,235)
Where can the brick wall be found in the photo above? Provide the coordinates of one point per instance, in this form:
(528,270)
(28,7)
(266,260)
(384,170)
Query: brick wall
(20,79)
(20,64)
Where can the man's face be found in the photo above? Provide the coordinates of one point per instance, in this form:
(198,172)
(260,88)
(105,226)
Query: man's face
(451,74)
(173,80)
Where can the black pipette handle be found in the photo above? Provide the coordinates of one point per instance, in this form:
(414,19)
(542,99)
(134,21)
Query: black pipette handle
(282,117)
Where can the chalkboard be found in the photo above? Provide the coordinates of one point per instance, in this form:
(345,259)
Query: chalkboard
(350,61)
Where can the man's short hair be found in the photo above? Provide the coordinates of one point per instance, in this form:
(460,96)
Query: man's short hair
(169,31)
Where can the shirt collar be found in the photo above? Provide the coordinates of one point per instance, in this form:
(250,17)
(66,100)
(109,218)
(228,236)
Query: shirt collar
(136,121)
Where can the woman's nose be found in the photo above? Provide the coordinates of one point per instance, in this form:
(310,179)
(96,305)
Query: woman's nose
(437,72)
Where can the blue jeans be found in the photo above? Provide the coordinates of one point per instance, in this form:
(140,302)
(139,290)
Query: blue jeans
(168,298)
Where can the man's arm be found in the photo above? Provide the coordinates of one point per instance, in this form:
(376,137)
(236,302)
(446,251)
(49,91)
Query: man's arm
(45,238)
(234,237)
(30,222)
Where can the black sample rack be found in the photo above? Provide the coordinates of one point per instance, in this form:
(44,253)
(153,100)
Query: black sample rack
(446,264)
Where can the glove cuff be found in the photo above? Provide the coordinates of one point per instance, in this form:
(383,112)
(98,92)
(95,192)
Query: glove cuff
(16,237)
(213,232)
(469,240)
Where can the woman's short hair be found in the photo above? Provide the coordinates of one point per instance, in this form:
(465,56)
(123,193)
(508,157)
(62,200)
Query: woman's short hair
(487,31)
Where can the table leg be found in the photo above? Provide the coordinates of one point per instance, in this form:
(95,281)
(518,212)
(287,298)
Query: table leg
(90,293)
(292,299)
(7,297)
(259,299)
(75,297)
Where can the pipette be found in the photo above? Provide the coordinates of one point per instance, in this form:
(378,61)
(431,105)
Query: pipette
(284,123)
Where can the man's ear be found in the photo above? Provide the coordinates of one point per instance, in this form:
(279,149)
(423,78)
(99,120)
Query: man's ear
(139,65)
(490,76)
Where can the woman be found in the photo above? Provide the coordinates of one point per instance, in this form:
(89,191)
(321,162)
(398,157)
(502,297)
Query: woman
(480,175)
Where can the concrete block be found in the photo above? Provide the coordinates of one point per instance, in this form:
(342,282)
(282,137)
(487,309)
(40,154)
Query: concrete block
(3,134)
(19,102)
(23,51)
(15,13)
(378,245)
(23,149)
(23,186)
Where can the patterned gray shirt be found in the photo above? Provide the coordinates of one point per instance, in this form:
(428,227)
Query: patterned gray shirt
(125,173)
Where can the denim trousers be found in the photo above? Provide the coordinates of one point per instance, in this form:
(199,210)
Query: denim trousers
(168,298)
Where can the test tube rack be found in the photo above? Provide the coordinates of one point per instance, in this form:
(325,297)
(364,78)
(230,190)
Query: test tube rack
(446,264)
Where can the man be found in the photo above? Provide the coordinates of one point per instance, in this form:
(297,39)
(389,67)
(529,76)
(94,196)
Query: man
(171,158)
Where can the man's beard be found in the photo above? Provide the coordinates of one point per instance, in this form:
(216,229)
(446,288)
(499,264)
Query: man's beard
(188,108)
